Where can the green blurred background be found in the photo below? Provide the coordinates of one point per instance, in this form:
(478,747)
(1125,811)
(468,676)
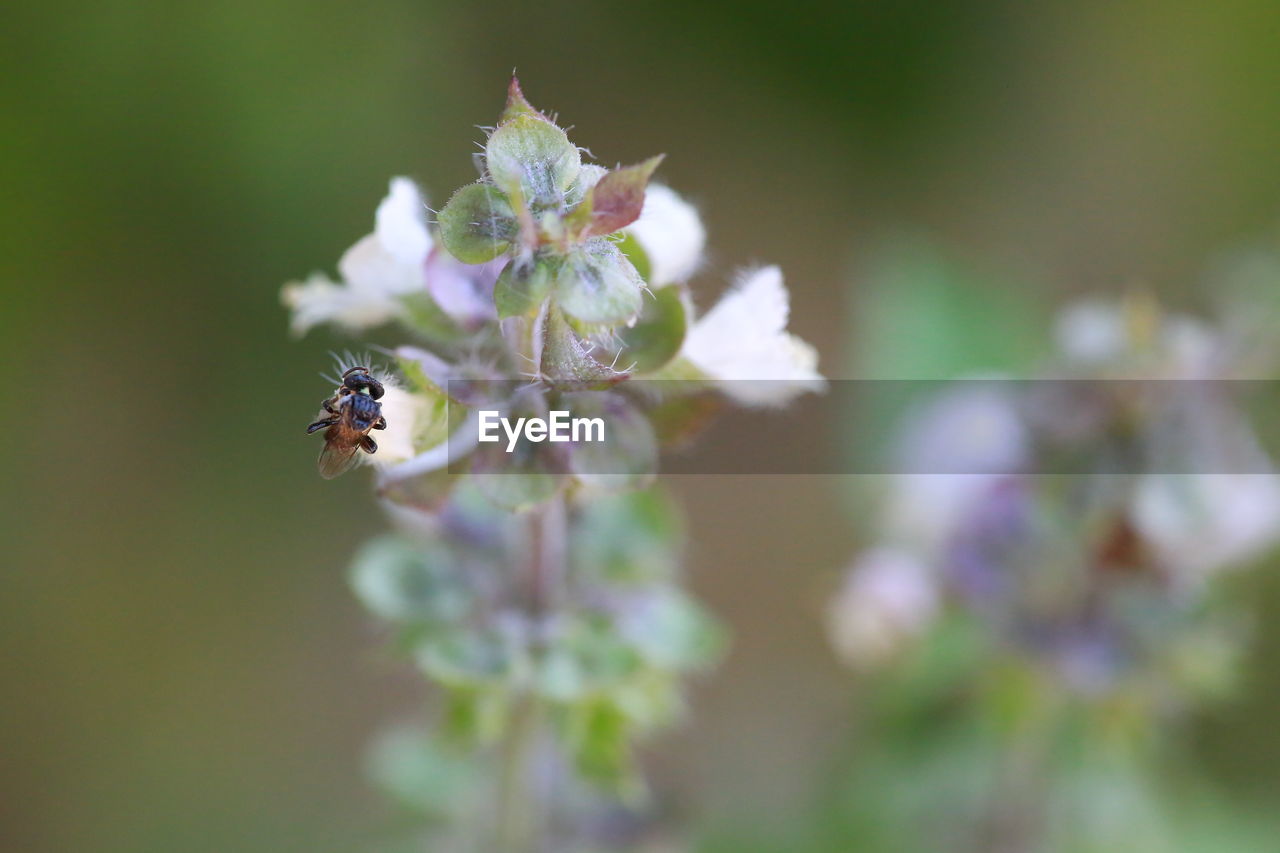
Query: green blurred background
(182,667)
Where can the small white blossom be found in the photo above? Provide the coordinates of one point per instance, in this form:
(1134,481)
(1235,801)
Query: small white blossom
(400,223)
(888,598)
(376,271)
(671,234)
(404,412)
(744,338)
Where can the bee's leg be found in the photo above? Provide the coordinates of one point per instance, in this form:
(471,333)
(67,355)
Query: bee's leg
(328,406)
(321,424)
(368,445)
(381,424)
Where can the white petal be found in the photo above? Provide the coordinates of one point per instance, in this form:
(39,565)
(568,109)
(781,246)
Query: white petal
(392,260)
(463,291)
(401,225)
(369,268)
(403,411)
(1198,523)
(318,300)
(671,235)
(744,338)
(377,270)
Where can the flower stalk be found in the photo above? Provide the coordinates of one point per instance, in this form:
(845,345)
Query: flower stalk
(537,585)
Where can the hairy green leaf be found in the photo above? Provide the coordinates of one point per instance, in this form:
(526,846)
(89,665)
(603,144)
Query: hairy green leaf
(478,224)
(531,159)
(523,286)
(597,285)
(658,335)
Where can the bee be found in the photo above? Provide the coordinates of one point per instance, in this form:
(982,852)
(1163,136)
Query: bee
(347,418)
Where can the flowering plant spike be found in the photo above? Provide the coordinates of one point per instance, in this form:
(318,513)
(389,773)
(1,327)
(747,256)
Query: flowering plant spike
(537,585)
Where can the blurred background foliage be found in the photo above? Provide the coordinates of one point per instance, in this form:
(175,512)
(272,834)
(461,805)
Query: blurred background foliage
(184,666)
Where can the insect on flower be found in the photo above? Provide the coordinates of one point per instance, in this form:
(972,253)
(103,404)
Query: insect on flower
(347,418)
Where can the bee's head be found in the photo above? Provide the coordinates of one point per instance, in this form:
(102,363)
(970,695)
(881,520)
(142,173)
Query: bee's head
(358,381)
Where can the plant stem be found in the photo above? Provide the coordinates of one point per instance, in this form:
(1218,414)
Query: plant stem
(549,558)
(521,810)
(517,825)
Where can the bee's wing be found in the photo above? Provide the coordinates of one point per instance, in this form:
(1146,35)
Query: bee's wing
(337,458)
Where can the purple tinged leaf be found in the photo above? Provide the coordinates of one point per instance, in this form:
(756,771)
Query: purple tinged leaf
(614,202)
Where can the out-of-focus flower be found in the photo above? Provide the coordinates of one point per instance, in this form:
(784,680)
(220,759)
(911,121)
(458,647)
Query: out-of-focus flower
(743,344)
(376,271)
(1169,485)
(956,448)
(888,597)
(972,428)
(1199,523)
(671,234)
(1133,336)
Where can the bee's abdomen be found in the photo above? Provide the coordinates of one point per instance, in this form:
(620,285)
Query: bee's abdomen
(365,411)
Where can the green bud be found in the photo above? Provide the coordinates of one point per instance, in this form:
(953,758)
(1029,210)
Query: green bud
(598,285)
(523,286)
(530,158)
(477,225)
